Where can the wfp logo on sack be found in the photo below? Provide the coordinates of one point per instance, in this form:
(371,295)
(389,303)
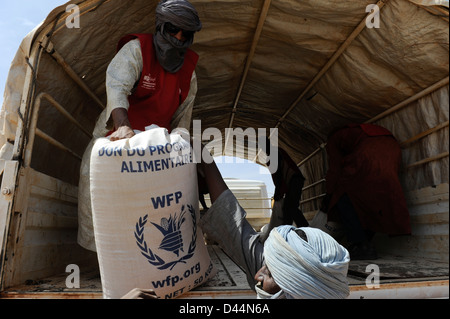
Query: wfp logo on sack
(172,239)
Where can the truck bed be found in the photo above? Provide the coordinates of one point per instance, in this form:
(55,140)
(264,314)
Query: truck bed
(46,229)
(400,277)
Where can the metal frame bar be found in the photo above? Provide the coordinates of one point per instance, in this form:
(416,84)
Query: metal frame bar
(402,144)
(428,160)
(359,28)
(35,131)
(257,35)
(391,110)
(50,49)
(424,134)
(434,10)
(323,180)
(411,99)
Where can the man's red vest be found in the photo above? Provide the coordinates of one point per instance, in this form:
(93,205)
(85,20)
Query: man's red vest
(158,93)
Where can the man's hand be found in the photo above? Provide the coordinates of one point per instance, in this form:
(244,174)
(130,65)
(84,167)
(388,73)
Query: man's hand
(122,133)
(122,125)
(137,293)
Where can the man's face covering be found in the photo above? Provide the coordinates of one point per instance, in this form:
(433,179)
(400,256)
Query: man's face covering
(169,50)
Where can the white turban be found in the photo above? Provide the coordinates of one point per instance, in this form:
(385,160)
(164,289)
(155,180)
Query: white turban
(305,270)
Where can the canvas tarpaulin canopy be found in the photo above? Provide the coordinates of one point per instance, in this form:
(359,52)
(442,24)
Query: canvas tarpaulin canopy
(304,67)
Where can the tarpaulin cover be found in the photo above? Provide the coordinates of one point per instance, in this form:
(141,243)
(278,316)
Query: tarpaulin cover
(378,69)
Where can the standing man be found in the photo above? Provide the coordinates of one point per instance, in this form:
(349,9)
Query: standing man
(151,80)
(363,186)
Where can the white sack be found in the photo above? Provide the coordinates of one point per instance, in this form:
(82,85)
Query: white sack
(146,211)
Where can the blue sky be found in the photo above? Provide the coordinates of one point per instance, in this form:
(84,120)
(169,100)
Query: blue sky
(19,17)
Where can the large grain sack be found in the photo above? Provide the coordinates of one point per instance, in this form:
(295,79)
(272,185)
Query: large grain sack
(145,212)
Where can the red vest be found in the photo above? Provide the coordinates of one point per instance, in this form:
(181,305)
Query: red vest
(159,93)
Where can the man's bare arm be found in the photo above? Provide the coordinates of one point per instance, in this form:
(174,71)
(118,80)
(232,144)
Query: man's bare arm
(122,125)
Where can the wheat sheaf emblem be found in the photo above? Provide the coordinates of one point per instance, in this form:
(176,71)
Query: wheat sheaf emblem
(172,241)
